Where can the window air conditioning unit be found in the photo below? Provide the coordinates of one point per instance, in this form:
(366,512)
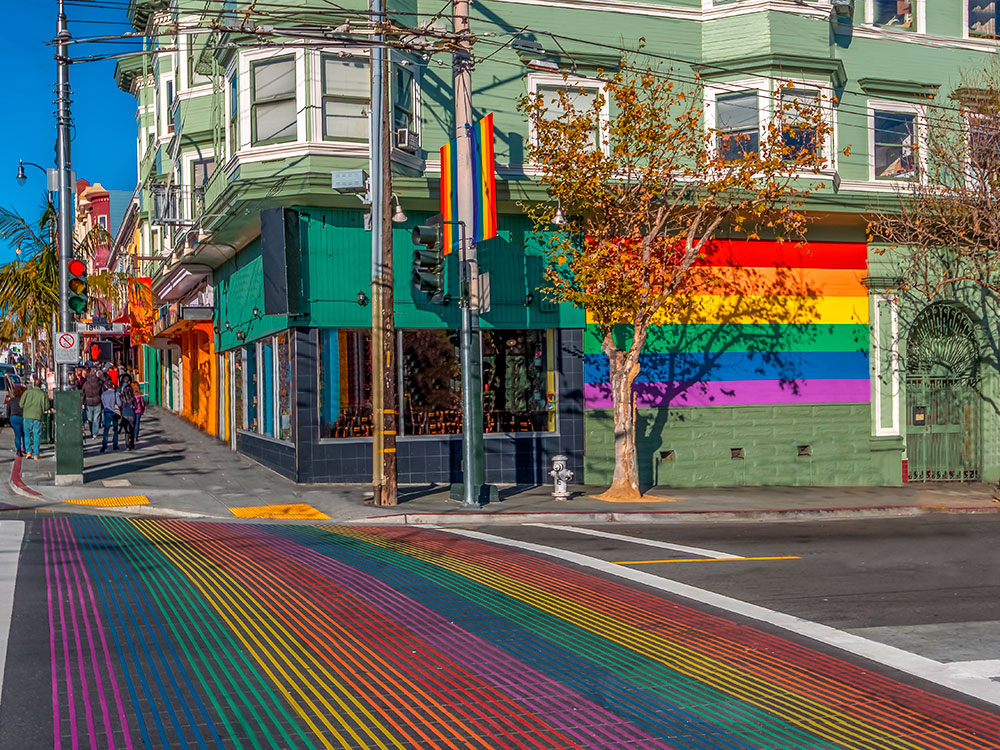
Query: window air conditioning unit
(407,140)
(843,8)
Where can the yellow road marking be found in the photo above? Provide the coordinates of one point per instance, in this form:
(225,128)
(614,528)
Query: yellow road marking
(295,511)
(111,502)
(705,559)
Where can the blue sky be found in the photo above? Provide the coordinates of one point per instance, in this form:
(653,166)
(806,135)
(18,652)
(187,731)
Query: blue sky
(103,147)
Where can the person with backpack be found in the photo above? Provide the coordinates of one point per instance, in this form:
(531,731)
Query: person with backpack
(127,404)
(15,417)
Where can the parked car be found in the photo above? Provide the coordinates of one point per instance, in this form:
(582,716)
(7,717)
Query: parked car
(7,382)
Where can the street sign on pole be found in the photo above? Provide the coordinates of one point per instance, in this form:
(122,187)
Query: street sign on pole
(67,348)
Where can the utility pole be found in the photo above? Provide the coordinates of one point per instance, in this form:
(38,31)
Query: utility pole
(472,490)
(69,427)
(384,369)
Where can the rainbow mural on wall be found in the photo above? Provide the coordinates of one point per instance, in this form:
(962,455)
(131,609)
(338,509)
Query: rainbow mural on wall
(798,334)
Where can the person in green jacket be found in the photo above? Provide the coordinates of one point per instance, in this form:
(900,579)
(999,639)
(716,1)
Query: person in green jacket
(34,403)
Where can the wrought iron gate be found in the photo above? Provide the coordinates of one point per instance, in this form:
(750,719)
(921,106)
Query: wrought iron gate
(943,404)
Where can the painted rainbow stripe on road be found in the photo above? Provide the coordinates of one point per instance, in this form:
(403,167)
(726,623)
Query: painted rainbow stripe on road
(347,637)
(797,334)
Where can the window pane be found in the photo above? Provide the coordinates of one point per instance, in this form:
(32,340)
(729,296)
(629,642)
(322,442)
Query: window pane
(346,76)
(274,79)
(345,383)
(274,121)
(894,13)
(894,145)
(196,42)
(432,392)
(515,381)
(983,17)
(284,353)
(737,111)
(402,98)
(799,107)
(345,118)
(984,148)
(581,102)
(201,171)
(267,387)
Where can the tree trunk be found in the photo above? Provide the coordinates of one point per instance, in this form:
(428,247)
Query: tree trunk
(624,368)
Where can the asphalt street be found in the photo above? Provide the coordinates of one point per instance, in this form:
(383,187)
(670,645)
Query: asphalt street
(146,633)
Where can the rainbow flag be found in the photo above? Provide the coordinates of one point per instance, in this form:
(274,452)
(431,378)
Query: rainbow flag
(484,191)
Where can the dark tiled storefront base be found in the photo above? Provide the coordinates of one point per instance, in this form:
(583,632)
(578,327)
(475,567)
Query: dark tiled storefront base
(510,459)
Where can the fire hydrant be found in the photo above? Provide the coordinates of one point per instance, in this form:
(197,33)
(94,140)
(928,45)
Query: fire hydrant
(561,476)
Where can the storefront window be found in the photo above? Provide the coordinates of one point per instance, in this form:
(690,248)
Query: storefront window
(250,384)
(267,387)
(515,381)
(284,354)
(431,387)
(239,388)
(518,382)
(345,383)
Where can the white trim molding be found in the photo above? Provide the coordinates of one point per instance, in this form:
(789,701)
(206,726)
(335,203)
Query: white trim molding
(885,424)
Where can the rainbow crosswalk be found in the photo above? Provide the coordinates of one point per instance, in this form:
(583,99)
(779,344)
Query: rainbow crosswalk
(180,634)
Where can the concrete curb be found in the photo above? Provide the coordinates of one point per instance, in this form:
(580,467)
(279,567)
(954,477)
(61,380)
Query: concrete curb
(664,517)
(17,485)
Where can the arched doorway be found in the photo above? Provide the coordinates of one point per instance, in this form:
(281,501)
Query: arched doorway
(943,406)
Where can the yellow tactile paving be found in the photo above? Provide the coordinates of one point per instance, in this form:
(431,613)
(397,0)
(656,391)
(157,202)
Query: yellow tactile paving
(111,502)
(288,512)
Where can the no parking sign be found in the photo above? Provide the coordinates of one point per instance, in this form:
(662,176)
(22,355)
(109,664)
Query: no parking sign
(67,348)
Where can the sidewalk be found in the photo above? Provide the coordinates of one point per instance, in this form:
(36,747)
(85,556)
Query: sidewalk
(185,473)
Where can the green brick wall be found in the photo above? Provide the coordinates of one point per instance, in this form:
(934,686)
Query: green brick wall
(701,438)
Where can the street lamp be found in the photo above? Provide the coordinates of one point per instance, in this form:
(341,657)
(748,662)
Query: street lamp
(22,177)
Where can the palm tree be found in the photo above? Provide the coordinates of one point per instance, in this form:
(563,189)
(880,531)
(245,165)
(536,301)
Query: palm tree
(29,285)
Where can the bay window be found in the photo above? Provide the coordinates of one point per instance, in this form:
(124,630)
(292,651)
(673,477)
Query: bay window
(799,108)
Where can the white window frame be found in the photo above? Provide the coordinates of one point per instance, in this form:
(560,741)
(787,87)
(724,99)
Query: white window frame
(969,117)
(881,430)
(920,118)
(556,79)
(316,96)
(187,175)
(184,45)
(398,58)
(919,17)
(768,90)
(232,148)
(165,105)
(246,58)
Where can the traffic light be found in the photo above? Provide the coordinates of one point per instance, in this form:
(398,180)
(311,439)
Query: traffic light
(101,351)
(428,262)
(77,301)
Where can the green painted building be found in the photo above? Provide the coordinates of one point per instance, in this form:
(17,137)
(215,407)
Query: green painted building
(246,109)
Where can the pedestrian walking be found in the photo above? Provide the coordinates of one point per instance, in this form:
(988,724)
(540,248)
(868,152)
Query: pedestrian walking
(127,406)
(34,404)
(92,401)
(140,409)
(109,410)
(15,416)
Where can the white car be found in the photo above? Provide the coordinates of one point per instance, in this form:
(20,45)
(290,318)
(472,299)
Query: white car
(7,382)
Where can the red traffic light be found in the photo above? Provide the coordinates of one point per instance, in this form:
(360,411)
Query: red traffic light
(77,267)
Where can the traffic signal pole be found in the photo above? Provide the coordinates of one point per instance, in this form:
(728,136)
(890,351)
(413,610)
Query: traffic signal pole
(473,490)
(384,369)
(68,422)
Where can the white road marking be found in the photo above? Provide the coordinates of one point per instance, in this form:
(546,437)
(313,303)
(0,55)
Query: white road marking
(715,554)
(11,534)
(984,668)
(890,656)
